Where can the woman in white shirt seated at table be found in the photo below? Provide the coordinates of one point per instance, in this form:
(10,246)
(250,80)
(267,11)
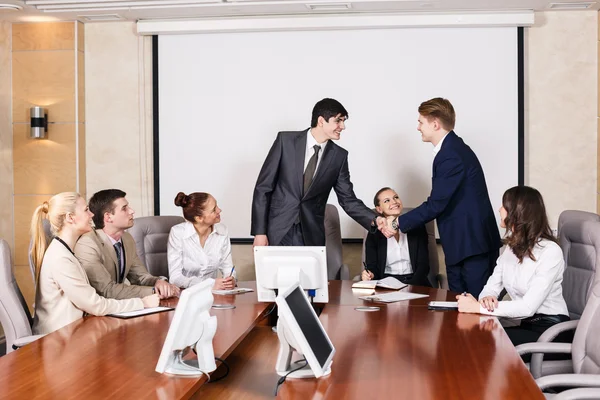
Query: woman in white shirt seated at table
(199,247)
(63,292)
(530,269)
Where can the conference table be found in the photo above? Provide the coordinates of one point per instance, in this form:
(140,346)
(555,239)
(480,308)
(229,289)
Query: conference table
(402,350)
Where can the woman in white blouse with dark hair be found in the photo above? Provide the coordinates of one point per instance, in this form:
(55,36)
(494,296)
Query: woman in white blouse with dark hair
(530,269)
(199,247)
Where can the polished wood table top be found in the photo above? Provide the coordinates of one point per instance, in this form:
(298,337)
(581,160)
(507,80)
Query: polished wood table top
(401,351)
(105,357)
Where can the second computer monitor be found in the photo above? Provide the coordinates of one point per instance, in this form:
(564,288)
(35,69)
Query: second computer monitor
(280,267)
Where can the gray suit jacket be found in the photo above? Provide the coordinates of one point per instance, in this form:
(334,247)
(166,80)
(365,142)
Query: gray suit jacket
(97,256)
(278,200)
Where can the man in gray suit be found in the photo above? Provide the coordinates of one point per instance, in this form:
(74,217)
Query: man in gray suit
(293,186)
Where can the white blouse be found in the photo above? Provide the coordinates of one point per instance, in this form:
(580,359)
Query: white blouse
(535,287)
(189,262)
(398,256)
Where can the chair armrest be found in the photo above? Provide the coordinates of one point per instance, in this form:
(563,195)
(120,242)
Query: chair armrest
(551,333)
(536,347)
(548,336)
(569,380)
(344,272)
(577,394)
(25,340)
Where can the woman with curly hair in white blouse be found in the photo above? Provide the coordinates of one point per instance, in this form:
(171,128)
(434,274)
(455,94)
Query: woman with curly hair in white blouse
(530,269)
(200,247)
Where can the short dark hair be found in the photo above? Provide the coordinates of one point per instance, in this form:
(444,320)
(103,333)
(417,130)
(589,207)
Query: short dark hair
(192,204)
(376,198)
(103,202)
(327,108)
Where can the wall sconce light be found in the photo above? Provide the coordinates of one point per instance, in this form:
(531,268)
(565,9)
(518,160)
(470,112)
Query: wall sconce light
(39,122)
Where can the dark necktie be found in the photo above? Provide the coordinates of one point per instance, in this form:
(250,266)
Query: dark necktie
(310,168)
(119,249)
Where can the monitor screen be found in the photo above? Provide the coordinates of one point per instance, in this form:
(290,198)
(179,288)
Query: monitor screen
(310,326)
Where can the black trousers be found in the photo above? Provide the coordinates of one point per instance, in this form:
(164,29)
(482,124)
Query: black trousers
(532,328)
(471,274)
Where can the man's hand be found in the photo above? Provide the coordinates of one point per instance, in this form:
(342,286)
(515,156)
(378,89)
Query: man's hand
(165,290)
(385,227)
(260,240)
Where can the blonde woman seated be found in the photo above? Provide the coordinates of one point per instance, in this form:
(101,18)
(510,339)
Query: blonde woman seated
(199,247)
(63,292)
(530,269)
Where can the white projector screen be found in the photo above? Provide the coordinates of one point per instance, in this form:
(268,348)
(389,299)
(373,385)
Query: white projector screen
(224,97)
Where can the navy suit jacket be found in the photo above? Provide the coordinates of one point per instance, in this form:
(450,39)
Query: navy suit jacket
(278,200)
(460,203)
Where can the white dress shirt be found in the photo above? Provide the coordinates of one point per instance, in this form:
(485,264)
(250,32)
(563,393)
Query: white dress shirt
(310,142)
(438,147)
(535,287)
(190,263)
(398,257)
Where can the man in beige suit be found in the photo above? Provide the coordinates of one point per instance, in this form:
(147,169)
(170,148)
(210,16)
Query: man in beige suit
(108,253)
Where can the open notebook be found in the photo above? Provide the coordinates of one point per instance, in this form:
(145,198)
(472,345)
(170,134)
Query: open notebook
(385,283)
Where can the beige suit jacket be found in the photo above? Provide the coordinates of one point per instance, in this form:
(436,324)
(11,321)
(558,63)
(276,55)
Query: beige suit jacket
(95,252)
(64,293)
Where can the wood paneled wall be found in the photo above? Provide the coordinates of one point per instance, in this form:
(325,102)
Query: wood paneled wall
(47,70)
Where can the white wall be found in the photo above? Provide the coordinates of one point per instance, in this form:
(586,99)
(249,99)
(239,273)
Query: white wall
(561,106)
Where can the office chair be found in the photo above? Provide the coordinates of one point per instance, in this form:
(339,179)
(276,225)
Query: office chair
(14,315)
(151,235)
(336,269)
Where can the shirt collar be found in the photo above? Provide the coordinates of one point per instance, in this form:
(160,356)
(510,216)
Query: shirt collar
(190,231)
(310,141)
(112,241)
(438,146)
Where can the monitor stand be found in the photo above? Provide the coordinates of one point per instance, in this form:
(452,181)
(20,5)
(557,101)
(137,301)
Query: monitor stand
(205,360)
(287,346)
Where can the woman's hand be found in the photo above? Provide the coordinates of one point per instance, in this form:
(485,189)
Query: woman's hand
(151,301)
(467,303)
(224,283)
(490,303)
(367,275)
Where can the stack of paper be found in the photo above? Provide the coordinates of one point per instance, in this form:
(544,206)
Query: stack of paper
(386,283)
(393,297)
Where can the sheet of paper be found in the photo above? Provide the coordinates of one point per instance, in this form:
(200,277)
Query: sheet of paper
(393,297)
(145,311)
(233,291)
(391,283)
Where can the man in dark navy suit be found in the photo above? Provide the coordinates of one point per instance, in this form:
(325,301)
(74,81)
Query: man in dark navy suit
(291,192)
(459,201)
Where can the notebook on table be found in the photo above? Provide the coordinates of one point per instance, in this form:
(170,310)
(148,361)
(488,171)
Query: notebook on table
(385,283)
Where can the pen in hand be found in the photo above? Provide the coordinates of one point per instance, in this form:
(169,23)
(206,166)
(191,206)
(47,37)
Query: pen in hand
(231,273)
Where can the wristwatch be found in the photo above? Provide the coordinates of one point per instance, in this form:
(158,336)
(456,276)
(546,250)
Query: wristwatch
(395,224)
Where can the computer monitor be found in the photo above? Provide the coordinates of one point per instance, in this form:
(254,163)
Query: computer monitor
(280,267)
(300,330)
(192,326)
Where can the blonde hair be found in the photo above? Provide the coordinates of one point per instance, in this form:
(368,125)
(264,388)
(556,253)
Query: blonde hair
(55,211)
(441,109)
